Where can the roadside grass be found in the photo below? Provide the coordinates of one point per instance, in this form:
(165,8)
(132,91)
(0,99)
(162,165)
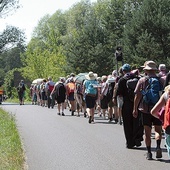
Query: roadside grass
(14,100)
(11,150)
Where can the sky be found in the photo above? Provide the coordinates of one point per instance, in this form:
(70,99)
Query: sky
(31,11)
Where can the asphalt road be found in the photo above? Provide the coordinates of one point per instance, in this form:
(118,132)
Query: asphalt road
(54,142)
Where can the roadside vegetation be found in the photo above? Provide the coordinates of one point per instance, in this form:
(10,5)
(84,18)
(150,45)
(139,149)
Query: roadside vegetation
(11,150)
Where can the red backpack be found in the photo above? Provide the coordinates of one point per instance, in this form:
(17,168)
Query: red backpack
(50,87)
(166,124)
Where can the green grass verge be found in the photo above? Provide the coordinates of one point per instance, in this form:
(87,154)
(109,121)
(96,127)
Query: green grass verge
(11,151)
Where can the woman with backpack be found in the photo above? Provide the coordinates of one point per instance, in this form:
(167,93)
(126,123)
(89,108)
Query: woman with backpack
(90,87)
(164,101)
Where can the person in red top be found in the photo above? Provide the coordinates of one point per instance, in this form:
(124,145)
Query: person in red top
(70,88)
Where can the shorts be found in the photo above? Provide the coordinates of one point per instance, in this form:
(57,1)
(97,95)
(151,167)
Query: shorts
(60,99)
(43,96)
(90,101)
(111,104)
(104,103)
(149,120)
(71,97)
(119,101)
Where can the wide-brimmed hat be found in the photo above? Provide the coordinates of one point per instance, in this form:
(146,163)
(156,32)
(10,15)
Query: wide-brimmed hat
(162,67)
(150,65)
(90,76)
(144,64)
(114,73)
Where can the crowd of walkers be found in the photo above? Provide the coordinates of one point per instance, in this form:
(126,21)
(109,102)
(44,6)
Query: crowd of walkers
(121,97)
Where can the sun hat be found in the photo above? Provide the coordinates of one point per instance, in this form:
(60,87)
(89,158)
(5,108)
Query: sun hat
(126,67)
(90,76)
(144,64)
(114,73)
(162,67)
(150,65)
(99,78)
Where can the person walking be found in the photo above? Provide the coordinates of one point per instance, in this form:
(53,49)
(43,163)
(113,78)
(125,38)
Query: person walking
(59,93)
(155,112)
(103,96)
(43,93)
(70,89)
(132,129)
(143,108)
(49,87)
(22,84)
(90,87)
(20,90)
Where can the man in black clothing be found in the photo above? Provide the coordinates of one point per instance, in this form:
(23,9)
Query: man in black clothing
(133,129)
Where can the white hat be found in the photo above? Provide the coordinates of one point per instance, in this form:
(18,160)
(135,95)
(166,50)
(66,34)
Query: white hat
(90,76)
(162,67)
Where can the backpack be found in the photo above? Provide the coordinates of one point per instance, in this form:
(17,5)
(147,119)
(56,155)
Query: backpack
(131,82)
(79,88)
(23,87)
(110,90)
(166,123)
(71,87)
(20,89)
(59,90)
(50,87)
(151,92)
(91,89)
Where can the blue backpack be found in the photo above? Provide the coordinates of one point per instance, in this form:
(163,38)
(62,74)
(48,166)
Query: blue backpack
(91,89)
(151,92)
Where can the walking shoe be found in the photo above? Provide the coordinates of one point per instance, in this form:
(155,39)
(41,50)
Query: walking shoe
(72,113)
(63,114)
(110,119)
(158,153)
(116,121)
(58,113)
(90,119)
(85,114)
(149,156)
(138,143)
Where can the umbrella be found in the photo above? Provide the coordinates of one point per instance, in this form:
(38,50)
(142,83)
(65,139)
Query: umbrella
(37,81)
(80,77)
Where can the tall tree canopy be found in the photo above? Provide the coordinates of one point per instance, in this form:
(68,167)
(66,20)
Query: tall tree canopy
(84,37)
(43,57)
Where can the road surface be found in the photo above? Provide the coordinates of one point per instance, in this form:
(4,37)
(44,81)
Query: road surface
(54,142)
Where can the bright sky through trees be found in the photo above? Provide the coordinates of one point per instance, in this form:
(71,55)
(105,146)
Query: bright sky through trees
(31,11)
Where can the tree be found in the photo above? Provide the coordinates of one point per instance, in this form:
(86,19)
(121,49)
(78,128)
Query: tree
(92,35)
(8,6)
(11,37)
(44,50)
(147,34)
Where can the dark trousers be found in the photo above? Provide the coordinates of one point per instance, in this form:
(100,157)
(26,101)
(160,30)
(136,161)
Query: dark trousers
(50,102)
(133,128)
